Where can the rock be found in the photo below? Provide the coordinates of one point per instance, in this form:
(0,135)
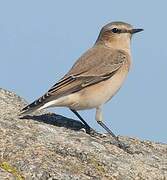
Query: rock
(49,146)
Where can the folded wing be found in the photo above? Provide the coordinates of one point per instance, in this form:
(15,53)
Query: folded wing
(96,65)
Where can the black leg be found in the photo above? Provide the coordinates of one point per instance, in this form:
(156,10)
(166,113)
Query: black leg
(77,114)
(120,144)
(108,130)
(99,119)
(88,128)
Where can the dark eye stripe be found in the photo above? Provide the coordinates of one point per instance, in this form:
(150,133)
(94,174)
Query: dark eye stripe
(116,30)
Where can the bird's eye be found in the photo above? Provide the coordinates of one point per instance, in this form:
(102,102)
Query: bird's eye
(115,30)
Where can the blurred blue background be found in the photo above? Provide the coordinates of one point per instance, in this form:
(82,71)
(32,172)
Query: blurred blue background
(40,40)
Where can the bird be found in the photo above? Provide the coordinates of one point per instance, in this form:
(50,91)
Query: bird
(95,77)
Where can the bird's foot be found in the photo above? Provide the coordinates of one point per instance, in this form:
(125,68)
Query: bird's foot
(121,145)
(92,132)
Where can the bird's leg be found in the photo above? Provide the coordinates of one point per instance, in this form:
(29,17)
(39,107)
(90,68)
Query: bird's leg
(99,119)
(88,128)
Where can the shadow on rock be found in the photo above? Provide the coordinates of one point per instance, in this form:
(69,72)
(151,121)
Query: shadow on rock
(56,120)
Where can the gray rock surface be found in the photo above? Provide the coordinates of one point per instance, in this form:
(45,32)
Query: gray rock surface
(49,146)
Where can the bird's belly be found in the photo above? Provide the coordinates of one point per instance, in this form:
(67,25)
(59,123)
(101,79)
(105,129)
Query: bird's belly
(92,96)
(98,94)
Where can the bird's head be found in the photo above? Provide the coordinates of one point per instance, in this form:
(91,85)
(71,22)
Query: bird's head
(117,34)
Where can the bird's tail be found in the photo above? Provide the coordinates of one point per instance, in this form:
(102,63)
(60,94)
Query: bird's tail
(37,104)
(29,109)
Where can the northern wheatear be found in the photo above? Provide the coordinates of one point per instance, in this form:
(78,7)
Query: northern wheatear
(95,77)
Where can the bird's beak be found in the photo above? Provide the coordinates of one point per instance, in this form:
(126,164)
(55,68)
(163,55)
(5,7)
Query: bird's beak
(133,31)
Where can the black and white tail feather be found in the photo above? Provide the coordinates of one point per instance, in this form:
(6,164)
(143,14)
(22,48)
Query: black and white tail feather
(36,105)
